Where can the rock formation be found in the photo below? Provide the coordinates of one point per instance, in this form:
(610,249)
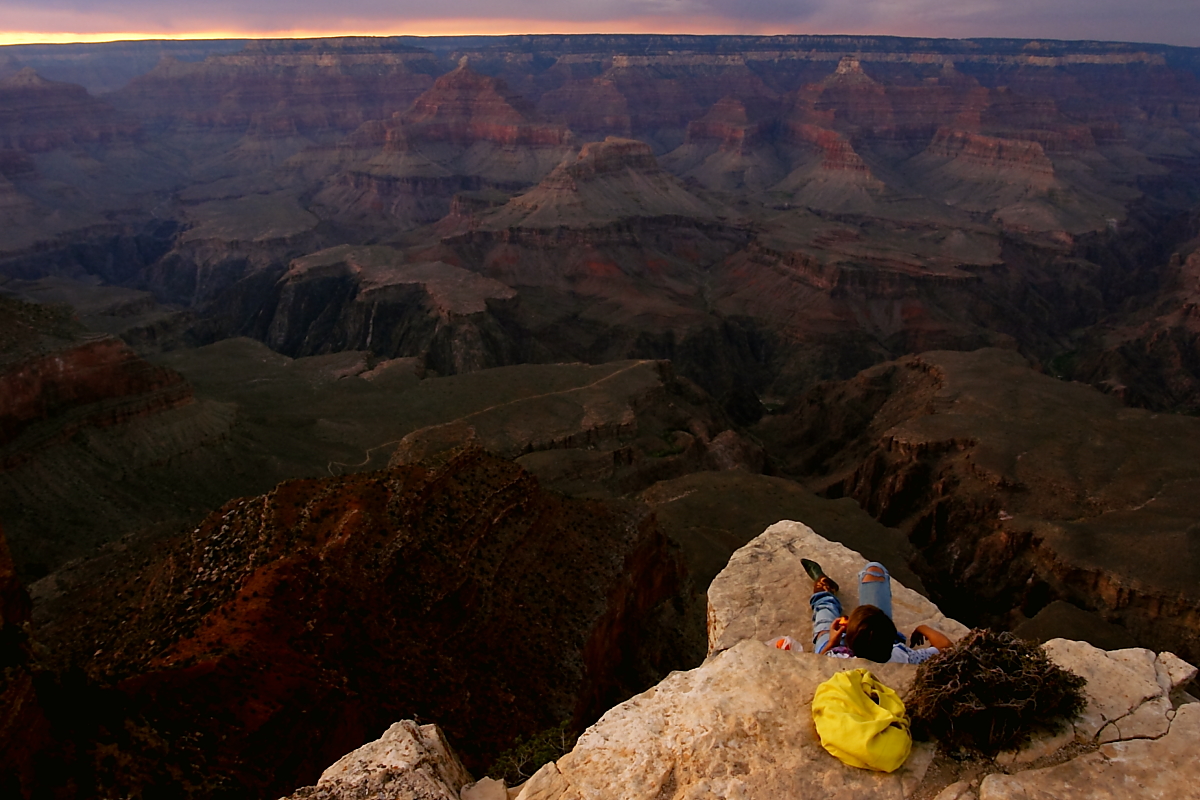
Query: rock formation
(291,627)
(741,724)
(606,182)
(283,87)
(766,213)
(407,761)
(55,383)
(909,195)
(37,115)
(1016,488)
(763,592)
(468,132)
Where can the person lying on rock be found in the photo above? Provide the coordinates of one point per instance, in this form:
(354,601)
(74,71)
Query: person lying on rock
(869,631)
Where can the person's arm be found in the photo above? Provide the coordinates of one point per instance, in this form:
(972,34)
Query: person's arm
(836,629)
(934,637)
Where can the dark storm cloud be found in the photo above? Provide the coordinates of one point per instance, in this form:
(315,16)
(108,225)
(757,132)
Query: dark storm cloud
(1171,21)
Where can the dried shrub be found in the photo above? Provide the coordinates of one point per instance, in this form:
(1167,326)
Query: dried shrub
(517,764)
(991,691)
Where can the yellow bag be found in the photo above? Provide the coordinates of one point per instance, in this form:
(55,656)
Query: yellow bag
(861,721)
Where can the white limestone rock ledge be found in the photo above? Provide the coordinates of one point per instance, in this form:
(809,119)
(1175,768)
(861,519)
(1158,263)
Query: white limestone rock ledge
(740,725)
(763,591)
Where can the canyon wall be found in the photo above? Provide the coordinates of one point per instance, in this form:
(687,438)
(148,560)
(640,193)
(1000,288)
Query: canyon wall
(1016,489)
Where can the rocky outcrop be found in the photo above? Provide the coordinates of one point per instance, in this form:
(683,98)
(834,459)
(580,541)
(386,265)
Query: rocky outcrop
(1040,491)
(738,726)
(1138,768)
(763,592)
(741,724)
(407,761)
(289,628)
(467,132)
(372,299)
(607,181)
(50,397)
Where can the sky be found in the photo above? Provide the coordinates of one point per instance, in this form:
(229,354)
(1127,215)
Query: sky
(1164,21)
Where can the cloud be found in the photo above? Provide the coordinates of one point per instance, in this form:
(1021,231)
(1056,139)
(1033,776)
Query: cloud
(1169,21)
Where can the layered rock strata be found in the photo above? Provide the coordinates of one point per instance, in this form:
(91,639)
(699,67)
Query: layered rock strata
(1016,496)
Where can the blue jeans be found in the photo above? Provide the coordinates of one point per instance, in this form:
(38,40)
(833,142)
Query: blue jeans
(826,607)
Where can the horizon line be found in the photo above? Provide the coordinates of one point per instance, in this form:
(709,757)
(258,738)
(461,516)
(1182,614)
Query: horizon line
(23,38)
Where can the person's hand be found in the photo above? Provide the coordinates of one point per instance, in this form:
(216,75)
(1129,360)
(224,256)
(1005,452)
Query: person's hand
(838,627)
(917,639)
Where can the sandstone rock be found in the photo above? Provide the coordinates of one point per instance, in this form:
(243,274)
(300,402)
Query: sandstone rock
(738,726)
(764,590)
(1173,672)
(485,789)
(1124,699)
(1165,767)
(408,761)
(959,790)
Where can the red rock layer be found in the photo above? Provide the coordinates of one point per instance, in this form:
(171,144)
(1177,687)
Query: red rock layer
(96,383)
(597,159)
(592,108)
(37,115)
(735,123)
(990,152)
(463,107)
(837,154)
(292,627)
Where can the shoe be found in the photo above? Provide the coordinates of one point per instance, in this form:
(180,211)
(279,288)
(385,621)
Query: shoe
(816,573)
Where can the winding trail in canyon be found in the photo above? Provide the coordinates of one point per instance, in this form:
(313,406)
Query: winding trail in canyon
(367,455)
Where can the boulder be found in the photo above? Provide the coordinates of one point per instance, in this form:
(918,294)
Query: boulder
(740,725)
(764,590)
(1142,768)
(408,761)
(1124,698)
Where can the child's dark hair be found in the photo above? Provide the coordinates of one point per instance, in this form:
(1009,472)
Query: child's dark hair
(870,633)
